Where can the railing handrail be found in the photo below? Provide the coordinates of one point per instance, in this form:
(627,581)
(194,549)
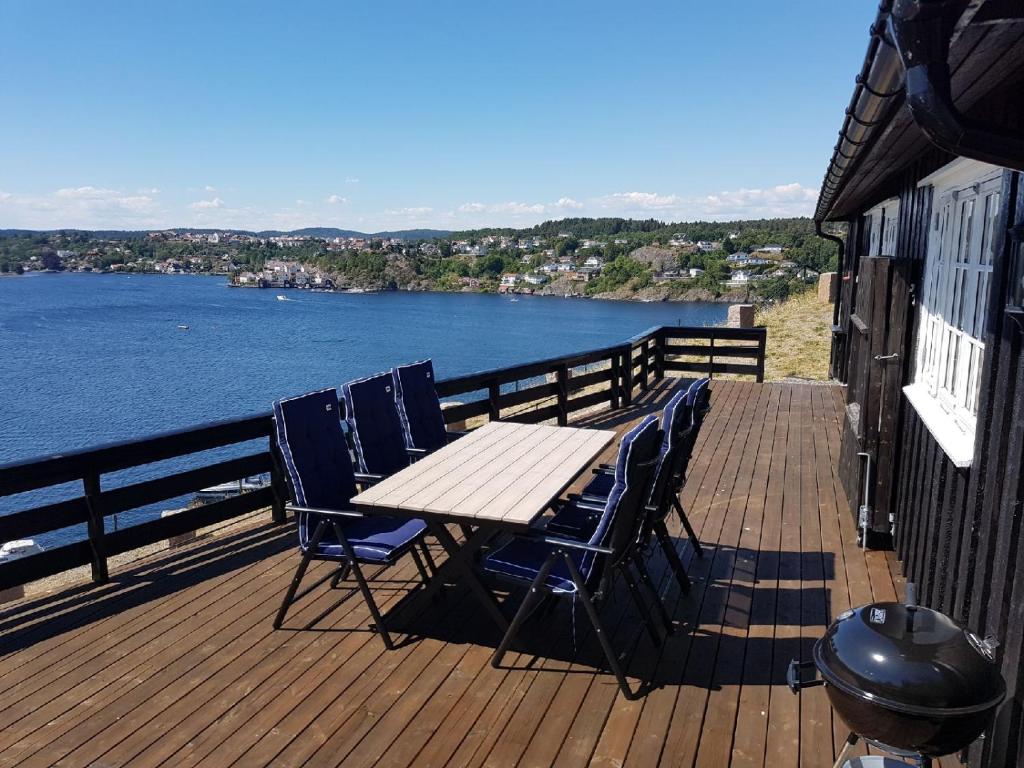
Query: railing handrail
(624,373)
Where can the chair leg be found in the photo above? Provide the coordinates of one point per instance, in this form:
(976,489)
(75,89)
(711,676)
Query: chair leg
(364,588)
(588,605)
(535,593)
(634,592)
(427,557)
(669,548)
(307,556)
(645,580)
(419,565)
(686,524)
(340,575)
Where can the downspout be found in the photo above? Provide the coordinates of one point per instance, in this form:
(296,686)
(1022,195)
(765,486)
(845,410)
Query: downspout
(921,30)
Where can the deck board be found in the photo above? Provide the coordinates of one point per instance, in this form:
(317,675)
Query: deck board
(175,663)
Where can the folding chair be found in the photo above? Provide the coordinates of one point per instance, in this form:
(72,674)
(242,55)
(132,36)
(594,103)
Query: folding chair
(323,481)
(419,407)
(564,567)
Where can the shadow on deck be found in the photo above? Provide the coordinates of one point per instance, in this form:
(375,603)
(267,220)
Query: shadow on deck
(174,662)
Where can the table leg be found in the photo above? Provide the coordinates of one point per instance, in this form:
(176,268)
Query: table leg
(460,561)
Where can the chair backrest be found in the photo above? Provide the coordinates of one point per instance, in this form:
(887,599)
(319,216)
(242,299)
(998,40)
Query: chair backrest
(676,424)
(314,451)
(699,398)
(377,434)
(419,407)
(618,527)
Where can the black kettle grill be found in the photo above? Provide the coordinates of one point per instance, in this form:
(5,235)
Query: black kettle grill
(906,678)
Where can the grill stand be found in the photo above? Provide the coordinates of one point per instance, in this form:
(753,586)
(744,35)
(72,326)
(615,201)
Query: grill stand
(853,738)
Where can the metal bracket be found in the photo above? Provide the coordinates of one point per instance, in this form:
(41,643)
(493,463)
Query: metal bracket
(886,358)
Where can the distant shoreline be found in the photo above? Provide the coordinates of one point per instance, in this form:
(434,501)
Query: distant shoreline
(636,299)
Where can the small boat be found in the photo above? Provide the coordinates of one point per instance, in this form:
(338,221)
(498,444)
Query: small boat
(282,297)
(13,550)
(513,299)
(232,488)
(182,327)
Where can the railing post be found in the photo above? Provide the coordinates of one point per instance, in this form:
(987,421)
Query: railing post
(615,380)
(278,484)
(94,527)
(711,355)
(626,375)
(493,393)
(644,365)
(562,381)
(659,355)
(761,344)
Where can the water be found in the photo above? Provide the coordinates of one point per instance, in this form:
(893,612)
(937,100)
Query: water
(88,359)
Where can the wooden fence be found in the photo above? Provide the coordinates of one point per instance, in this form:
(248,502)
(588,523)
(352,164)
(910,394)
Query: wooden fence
(551,389)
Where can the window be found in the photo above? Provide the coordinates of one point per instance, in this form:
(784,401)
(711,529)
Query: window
(953,309)
(882,221)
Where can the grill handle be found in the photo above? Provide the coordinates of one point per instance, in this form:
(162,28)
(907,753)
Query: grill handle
(795,680)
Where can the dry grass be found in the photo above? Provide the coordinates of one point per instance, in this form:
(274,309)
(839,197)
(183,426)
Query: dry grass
(799,338)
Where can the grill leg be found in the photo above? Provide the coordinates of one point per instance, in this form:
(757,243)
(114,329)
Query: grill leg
(850,741)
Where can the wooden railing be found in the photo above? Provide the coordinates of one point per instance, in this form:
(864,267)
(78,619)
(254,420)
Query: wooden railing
(543,390)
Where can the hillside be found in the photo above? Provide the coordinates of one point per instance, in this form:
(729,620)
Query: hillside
(799,338)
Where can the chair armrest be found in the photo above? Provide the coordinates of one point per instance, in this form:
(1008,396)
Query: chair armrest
(364,478)
(416,453)
(455,434)
(570,544)
(589,503)
(325,512)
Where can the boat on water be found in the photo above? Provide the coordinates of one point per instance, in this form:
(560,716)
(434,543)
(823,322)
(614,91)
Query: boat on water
(233,488)
(13,550)
(282,297)
(182,327)
(513,299)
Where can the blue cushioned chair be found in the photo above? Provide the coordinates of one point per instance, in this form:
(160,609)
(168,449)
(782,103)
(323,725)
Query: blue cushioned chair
(583,569)
(376,428)
(323,481)
(578,520)
(419,407)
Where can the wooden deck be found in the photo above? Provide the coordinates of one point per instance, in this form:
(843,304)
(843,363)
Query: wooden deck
(175,662)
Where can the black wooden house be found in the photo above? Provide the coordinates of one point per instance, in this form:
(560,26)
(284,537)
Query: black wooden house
(928,334)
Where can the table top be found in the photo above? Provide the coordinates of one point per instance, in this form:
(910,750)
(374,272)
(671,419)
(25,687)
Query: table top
(502,471)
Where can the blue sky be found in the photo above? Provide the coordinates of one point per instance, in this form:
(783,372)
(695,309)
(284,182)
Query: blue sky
(379,115)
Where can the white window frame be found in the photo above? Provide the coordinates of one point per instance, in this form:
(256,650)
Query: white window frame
(884,219)
(953,306)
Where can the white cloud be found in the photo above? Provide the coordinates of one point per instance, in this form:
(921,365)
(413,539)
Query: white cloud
(351,180)
(640,201)
(208,188)
(514,208)
(568,203)
(202,205)
(472,207)
(783,200)
(337,200)
(85,207)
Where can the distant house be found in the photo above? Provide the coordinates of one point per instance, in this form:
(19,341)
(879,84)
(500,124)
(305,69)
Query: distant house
(535,279)
(708,245)
(738,258)
(696,271)
(594,262)
(771,249)
(509,280)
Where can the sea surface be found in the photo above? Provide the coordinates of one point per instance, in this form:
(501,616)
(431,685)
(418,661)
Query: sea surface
(88,359)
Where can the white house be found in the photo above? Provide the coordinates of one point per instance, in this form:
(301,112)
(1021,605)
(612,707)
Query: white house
(535,279)
(509,280)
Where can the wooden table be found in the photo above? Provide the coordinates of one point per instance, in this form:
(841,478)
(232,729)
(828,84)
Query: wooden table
(500,477)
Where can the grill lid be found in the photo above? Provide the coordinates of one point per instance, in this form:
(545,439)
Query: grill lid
(909,659)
